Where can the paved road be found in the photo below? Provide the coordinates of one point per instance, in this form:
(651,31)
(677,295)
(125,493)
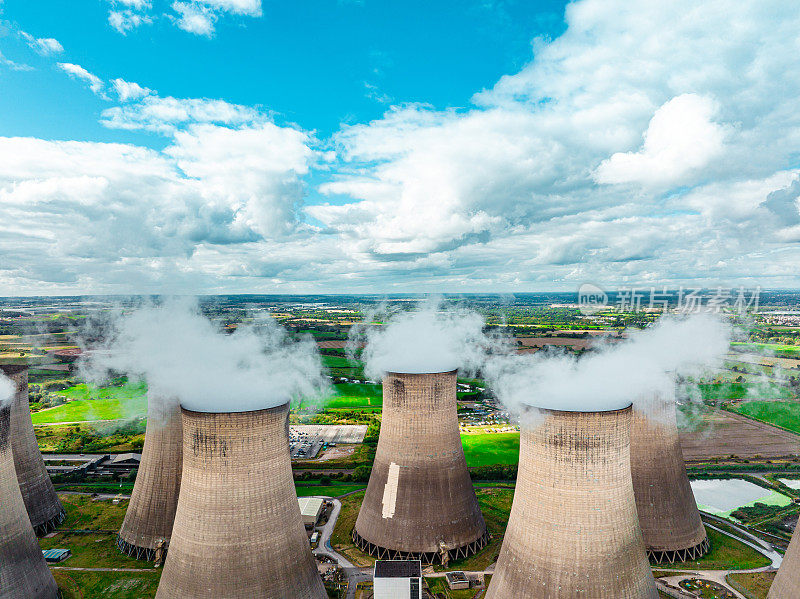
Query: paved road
(324,547)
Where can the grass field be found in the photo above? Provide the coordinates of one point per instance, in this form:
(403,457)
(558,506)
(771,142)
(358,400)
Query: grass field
(339,362)
(754,585)
(332,490)
(108,585)
(754,390)
(491,448)
(726,554)
(91,403)
(349,396)
(766,348)
(780,413)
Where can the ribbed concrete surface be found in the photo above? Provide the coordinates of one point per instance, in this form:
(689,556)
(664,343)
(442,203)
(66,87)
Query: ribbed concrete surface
(787,581)
(23,571)
(668,514)
(151,512)
(44,508)
(238,532)
(573,530)
(420,493)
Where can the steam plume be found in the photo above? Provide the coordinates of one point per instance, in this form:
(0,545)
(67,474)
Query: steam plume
(428,339)
(639,369)
(183,355)
(7,390)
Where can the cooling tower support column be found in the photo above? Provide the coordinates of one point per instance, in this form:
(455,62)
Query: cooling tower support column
(573,531)
(787,581)
(41,501)
(668,515)
(420,503)
(238,531)
(151,513)
(23,571)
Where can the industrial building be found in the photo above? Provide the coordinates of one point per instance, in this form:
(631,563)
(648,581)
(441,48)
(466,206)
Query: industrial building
(238,532)
(23,571)
(397,579)
(420,502)
(41,501)
(787,581)
(573,530)
(151,511)
(310,510)
(668,515)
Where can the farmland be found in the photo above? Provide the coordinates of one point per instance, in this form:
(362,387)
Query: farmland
(785,414)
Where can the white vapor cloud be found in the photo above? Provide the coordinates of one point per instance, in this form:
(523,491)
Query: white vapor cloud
(7,390)
(76,71)
(681,138)
(127,91)
(638,370)
(182,354)
(45,46)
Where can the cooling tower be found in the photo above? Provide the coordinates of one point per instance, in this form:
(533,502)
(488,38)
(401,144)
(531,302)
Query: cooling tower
(787,581)
(44,508)
(668,514)
(23,571)
(238,532)
(420,502)
(151,511)
(573,530)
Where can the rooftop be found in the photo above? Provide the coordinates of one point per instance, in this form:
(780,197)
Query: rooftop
(398,569)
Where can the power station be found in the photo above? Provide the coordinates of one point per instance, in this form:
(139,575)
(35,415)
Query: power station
(787,581)
(147,527)
(668,515)
(44,509)
(23,571)
(238,531)
(573,530)
(420,502)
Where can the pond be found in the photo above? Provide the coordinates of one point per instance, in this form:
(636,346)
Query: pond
(721,497)
(792,483)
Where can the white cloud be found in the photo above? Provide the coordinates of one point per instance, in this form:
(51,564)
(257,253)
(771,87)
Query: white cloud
(45,46)
(680,139)
(195,18)
(154,113)
(127,90)
(14,66)
(78,72)
(127,20)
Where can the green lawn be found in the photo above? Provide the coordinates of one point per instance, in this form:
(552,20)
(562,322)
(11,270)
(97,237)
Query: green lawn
(491,448)
(780,413)
(90,403)
(755,390)
(726,554)
(355,396)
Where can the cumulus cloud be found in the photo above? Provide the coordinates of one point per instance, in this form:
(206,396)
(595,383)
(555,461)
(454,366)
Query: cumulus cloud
(77,72)
(127,91)
(680,139)
(45,46)
(194,16)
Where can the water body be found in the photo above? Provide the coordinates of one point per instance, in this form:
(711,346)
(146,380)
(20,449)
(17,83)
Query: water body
(721,497)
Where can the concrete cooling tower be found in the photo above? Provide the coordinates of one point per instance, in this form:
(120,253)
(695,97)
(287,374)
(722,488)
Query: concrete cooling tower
(44,508)
(23,571)
(238,531)
(420,503)
(151,511)
(668,514)
(787,581)
(573,531)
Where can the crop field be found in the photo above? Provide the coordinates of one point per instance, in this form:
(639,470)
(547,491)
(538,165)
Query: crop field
(483,449)
(91,403)
(767,347)
(749,390)
(785,414)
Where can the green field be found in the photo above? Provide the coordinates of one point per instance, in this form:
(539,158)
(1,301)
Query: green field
(755,390)
(779,413)
(491,448)
(766,348)
(90,403)
(332,490)
(355,396)
(339,362)
(726,554)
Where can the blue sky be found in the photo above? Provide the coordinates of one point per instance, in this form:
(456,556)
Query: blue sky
(362,146)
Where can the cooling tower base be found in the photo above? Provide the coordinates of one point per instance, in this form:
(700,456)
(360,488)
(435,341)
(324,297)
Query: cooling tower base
(141,553)
(50,525)
(427,557)
(680,555)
